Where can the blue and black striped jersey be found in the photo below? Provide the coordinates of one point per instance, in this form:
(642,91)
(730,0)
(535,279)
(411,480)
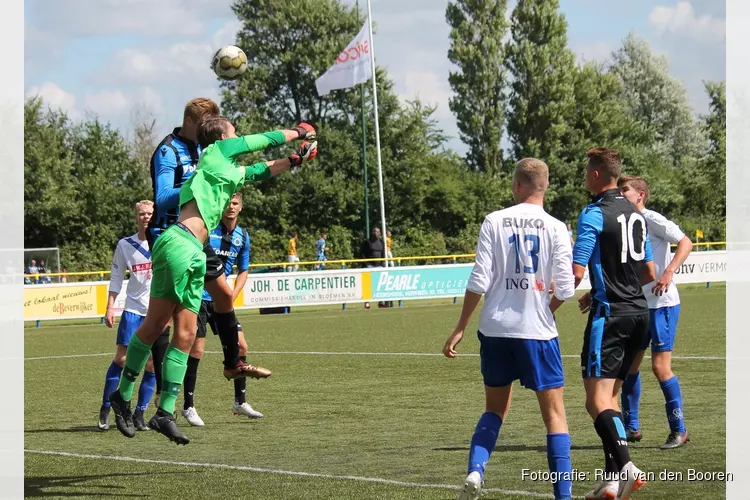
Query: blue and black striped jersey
(173,162)
(613,242)
(232,247)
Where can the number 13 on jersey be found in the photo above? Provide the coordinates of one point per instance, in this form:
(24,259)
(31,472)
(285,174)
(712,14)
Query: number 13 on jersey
(524,252)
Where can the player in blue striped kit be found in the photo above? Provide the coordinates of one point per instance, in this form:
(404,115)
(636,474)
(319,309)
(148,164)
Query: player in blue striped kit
(232,245)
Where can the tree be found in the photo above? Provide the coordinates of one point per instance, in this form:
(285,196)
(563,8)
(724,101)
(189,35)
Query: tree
(542,90)
(658,100)
(704,182)
(477,31)
(80,187)
(144,138)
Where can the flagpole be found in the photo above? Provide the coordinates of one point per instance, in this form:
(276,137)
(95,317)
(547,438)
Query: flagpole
(364,150)
(377,129)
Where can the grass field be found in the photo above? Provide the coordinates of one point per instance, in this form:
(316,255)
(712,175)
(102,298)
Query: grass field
(360,406)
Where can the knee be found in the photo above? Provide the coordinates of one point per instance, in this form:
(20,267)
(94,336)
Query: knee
(150,365)
(592,408)
(119,360)
(662,370)
(196,352)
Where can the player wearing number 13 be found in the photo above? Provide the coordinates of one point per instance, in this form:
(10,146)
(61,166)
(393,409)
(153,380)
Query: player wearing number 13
(612,241)
(521,250)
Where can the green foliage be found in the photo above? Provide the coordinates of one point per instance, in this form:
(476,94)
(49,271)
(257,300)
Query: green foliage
(81,185)
(477,31)
(543,71)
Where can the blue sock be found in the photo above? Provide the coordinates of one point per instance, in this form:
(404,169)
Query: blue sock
(558,457)
(673,397)
(483,441)
(146,390)
(631,401)
(110,383)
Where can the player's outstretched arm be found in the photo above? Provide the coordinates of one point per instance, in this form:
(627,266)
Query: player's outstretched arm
(265,169)
(237,146)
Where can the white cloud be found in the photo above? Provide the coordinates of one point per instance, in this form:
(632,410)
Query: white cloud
(429,88)
(109,105)
(55,98)
(180,64)
(597,52)
(681,20)
(164,18)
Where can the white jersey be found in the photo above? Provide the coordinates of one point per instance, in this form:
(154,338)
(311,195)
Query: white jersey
(662,232)
(521,250)
(132,254)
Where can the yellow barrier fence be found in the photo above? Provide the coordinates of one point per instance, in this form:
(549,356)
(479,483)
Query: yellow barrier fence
(398,261)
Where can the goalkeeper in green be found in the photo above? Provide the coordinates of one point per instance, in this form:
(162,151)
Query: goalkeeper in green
(179,263)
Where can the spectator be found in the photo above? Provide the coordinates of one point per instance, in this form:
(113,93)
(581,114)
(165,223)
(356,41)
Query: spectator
(64,277)
(373,248)
(320,248)
(388,253)
(33,269)
(42,270)
(292,252)
(570,233)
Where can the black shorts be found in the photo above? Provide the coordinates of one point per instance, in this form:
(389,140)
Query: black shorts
(611,343)
(206,318)
(214,265)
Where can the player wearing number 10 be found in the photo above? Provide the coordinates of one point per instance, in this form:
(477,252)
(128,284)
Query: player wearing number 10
(612,241)
(521,250)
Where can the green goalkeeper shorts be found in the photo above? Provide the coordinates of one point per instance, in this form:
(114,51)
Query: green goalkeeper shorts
(178,266)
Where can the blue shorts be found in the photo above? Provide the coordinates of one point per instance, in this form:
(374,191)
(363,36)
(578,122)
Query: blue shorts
(129,323)
(537,364)
(321,257)
(662,328)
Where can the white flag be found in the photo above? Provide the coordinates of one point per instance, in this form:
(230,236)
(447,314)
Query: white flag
(353,65)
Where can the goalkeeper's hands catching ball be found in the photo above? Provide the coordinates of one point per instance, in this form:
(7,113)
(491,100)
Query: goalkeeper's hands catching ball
(306,152)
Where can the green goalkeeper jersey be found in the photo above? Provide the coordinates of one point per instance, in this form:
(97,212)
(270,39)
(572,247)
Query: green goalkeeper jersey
(218,176)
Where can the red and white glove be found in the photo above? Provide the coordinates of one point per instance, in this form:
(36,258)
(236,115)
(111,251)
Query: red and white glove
(306,130)
(306,152)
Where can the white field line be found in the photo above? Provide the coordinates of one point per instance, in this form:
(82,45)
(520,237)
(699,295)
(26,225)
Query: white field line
(247,468)
(348,353)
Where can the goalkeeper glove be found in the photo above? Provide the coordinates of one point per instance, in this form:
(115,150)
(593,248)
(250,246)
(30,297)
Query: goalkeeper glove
(306,152)
(306,131)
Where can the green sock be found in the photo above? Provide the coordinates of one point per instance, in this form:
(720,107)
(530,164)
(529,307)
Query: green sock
(135,362)
(172,374)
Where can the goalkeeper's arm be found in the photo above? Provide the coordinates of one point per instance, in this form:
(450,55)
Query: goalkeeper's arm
(265,169)
(234,147)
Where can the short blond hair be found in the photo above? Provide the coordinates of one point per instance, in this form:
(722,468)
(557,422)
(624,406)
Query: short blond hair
(201,108)
(143,203)
(533,173)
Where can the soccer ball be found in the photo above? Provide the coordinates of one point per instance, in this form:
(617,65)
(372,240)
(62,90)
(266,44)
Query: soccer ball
(229,62)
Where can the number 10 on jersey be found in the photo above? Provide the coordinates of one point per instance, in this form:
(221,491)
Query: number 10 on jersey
(627,243)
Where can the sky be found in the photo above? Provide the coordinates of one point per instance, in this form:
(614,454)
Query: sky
(117,58)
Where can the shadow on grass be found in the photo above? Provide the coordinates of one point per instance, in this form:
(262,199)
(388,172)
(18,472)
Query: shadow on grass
(515,448)
(36,486)
(80,428)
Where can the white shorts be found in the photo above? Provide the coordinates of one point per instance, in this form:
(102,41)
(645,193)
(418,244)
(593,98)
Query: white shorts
(292,258)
